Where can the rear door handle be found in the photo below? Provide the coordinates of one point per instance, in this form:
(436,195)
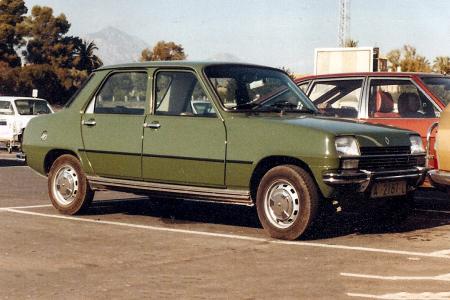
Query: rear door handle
(154,125)
(89,122)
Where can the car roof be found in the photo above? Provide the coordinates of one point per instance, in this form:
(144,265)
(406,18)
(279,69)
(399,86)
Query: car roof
(373,74)
(176,63)
(12,98)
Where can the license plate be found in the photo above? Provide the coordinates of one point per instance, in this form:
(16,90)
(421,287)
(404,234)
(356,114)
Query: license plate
(387,189)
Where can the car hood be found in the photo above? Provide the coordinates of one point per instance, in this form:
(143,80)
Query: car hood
(368,135)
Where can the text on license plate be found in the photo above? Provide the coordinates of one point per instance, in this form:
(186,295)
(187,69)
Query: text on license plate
(387,189)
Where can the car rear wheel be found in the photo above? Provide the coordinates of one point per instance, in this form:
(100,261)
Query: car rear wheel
(287,202)
(68,187)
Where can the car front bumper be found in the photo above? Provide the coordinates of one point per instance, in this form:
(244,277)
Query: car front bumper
(362,180)
(440,178)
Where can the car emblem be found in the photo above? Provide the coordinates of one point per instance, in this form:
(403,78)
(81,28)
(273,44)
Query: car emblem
(44,136)
(387,140)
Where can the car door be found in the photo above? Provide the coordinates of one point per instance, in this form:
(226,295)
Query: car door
(112,125)
(184,138)
(339,97)
(6,120)
(399,102)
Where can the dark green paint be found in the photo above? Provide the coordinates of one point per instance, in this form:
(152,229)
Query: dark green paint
(219,152)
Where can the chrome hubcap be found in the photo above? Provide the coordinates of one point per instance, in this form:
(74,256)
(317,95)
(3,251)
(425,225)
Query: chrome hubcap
(65,185)
(282,204)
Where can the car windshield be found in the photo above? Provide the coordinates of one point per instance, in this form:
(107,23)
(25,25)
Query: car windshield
(440,86)
(257,88)
(30,107)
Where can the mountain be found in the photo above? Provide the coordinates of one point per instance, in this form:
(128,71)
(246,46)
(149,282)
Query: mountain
(116,46)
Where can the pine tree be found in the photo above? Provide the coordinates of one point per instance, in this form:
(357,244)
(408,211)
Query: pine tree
(11,32)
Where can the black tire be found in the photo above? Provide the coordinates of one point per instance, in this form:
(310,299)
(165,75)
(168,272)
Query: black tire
(290,192)
(67,175)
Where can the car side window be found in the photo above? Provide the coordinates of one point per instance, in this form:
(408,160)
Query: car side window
(181,94)
(337,97)
(6,108)
(304,86)
(122,93)
(394,98)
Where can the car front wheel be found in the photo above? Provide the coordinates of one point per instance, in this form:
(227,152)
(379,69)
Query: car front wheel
(287,202)
(68,187)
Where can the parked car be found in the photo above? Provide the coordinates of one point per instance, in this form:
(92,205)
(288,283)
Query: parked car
(134,128)
(440,177)
(15,113)
(411,101)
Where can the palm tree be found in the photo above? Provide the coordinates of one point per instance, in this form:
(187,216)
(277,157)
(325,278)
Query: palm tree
(87,60)
(442,65)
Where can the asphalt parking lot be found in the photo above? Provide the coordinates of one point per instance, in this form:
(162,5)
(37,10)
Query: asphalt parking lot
(133,247)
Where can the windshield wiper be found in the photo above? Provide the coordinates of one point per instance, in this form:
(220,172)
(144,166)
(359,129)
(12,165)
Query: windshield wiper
(278,107)
(248,105)
(291,107)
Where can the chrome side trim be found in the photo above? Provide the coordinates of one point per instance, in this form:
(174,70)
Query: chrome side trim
(190,192)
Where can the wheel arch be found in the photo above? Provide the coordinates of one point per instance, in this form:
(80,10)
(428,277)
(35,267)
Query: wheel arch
(267,163)
(53,155)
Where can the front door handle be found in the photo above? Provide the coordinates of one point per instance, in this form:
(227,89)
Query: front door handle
(153,125)
(90,122)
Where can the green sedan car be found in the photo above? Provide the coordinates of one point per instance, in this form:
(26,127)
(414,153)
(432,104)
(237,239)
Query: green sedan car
(229,133)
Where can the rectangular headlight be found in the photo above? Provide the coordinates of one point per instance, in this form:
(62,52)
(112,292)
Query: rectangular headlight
(416,145)
(347,146)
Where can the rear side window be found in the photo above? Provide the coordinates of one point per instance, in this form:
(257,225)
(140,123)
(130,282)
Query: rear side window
(393,98)
(122,93)
(6,108)
(340,98)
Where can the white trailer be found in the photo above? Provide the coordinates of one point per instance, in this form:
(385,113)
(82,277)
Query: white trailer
(347,60)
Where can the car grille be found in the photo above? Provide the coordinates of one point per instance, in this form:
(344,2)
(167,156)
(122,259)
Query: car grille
(387,158)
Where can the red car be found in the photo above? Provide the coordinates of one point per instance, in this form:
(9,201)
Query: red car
(407,100)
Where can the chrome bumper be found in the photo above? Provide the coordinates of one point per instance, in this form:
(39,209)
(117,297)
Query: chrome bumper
(441,178)
(362,179)
(21,156)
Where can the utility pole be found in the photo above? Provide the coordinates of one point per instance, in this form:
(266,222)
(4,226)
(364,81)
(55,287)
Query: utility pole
(344,22)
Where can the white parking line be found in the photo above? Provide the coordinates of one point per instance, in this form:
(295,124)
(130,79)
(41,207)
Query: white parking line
(442,252)
(232,236)
(443,277)
(24,207)
(434,211)
(405,296)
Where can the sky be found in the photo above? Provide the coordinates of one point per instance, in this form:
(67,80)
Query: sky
(281,33)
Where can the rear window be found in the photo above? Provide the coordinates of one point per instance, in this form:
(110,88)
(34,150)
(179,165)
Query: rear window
(29,107)
(440,87)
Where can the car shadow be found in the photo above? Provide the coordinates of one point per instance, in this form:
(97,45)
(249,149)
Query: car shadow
(176,211)
(173,211)
(11,163)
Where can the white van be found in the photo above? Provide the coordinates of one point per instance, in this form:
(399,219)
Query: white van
(15,113)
